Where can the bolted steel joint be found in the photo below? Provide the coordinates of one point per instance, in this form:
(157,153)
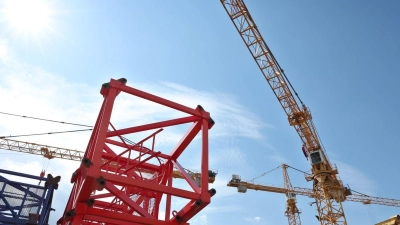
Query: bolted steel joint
(123,80)
(212,191)
(68,216)
(101,182)
(199,202)
(86,162)
(52,180)
(90,202)
(179,219)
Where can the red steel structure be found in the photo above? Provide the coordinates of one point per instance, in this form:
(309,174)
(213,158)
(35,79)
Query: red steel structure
(128,187)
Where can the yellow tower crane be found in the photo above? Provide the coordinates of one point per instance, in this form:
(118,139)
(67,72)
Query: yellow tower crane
(51,152)
(292,212)
(328,189)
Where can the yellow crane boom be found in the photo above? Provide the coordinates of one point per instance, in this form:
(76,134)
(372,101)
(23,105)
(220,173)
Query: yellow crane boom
(329,191)
(243,186)
(51,152)
(38,149)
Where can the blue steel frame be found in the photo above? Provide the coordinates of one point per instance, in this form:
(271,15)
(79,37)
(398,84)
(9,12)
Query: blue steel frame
(19,201)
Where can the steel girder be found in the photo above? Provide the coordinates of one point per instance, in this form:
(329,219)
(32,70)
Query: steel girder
(127,186)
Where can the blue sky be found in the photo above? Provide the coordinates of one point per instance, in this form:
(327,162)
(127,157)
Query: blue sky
(342,58)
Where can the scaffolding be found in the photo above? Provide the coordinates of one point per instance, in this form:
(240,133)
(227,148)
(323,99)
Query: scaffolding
(25,203)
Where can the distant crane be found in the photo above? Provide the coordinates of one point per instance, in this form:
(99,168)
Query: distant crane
(51,152)
(328,189)
(291,209)
(292,212)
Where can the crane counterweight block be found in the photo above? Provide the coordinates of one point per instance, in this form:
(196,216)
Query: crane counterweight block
(133,178)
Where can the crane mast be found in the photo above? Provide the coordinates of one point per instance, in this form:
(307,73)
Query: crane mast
(292,212)
(328,190)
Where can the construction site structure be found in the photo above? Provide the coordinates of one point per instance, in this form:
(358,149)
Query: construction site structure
(123,194)
(394,220)
(243,186)
(51,152)
(328,189)
(25,203)
(291,212)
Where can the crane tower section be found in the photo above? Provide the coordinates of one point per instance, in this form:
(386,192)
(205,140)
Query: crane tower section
(329,191)
(124,183)
(292,212)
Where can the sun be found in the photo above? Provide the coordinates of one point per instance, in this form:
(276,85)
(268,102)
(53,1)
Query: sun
(27,16)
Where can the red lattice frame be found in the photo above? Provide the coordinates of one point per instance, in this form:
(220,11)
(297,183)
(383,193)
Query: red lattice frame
(130,181)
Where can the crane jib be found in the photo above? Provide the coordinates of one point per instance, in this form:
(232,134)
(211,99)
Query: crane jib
(328,189)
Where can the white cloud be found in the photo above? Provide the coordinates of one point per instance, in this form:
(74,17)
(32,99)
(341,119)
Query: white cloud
(4,53)
(233,156)
(356,179)
(231,118)
(223,208)
(200,220)
(255,220)
(276,156)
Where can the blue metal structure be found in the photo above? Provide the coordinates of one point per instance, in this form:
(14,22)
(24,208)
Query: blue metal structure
(24,203)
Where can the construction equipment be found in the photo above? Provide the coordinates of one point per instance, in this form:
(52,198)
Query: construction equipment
(292,212)
(126,194)
(51,152)
(328,189)
(243,186)
(394,220)
(25,203)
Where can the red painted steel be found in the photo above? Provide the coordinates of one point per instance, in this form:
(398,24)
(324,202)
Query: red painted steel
(127,187)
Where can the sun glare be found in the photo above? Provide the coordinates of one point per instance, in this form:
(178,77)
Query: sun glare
(27,16)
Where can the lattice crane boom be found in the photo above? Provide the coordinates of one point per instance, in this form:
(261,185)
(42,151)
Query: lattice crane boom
(46,151)
(291,212)
(243,186)
(51,152)
(329,191)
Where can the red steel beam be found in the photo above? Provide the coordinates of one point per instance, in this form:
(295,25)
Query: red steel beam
(133,182)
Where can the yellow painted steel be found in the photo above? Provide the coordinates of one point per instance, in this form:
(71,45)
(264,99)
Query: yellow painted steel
(292,212)
(329,191)
(394,220)
(365,199)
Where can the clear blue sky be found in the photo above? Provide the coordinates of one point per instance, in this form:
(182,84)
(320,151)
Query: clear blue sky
(342,58)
